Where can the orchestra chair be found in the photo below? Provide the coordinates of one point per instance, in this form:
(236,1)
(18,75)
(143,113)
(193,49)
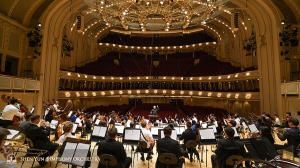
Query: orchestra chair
(108,160)
(191,147)
(230,162)
(142,148)
(168,159)
(33,152)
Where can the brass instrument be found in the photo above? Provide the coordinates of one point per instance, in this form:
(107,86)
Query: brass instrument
(17,140)
(281,130)
(255,135)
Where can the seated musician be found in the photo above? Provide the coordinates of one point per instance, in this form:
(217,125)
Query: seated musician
(227,147)
(49,107)
(74,117)
(146,136)
(211,120)
(9,112)
(169,145)
(56,107)
(188,135)
(40,139)
(79,120)
(67,128)
(26,123)
(277,122)
(115,148)
(265,132)
(285,123)
(49,113)
(291,135)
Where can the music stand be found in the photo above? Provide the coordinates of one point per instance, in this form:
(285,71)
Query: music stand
(207,138)
(131,137)
(153,117)
(74,148)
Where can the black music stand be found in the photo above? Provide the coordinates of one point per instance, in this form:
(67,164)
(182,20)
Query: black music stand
(68,153)
(207,138)
(98,134)
(154,117)
(131,137)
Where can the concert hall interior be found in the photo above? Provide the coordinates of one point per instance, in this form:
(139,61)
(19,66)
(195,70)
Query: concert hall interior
(233,62)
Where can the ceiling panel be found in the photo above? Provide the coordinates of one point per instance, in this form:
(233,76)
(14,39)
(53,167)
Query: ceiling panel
(5,6)
(21,9)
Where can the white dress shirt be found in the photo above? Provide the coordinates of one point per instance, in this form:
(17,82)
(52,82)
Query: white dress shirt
(63,137)
(9,112)
(148,135)
(277,121)
(56,107)
(78,121)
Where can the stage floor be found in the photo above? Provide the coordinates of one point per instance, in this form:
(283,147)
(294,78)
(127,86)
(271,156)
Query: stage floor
(137,162)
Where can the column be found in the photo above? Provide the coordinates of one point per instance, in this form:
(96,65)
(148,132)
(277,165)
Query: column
(3,59)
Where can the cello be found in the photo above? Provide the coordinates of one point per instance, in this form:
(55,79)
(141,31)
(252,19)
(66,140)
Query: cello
(16,119)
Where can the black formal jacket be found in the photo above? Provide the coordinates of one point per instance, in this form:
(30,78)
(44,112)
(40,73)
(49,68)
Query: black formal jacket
(38,136)
(168,145)
(228,147)
(112,147)
(188,135)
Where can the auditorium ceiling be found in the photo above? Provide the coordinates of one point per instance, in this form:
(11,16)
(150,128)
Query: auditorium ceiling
(28,13)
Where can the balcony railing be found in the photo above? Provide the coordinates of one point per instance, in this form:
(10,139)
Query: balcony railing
(18,84)
(291,88)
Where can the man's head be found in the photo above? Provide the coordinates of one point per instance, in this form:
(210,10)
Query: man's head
(229,132)
(188,124)
(28,115)
(19,100)
(143,124)
(3,135)
(112,133)
(288,114)
(13,101)
(56,102)
(154,107)
(131,124)
(50,106)
(35,118)
(167,131)
(68,127)
(232,123)
(293,122)
(276,115)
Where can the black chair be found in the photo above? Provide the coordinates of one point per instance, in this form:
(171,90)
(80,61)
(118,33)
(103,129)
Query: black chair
(230,162)
(33,152)
(108,160)
(167,158)
(142,148)
(191,147)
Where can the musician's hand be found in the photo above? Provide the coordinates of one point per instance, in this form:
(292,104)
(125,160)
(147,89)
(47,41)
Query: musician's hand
(47,124)
(275,131)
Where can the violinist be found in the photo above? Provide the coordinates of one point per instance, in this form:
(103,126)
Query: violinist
(49,113)
(211,119)
(9,112)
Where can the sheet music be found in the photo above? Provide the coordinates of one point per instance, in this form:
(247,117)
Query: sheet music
(173,135)
(244,125)
(54,122)
(99,131)
(32,110)
(213,127)
(225,122)
(120,129)
(253,128)
(132,134)
(137,126)
(154,130)
(97,122)
(68,152)
(70,114)
(204,125)
(12,133)
(207,134)
(81,152)
(235,132)
(74,128)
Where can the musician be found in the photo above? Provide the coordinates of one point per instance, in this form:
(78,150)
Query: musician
(9,112)
(26,123)
(168,145)
(79,120)
(40,139)
(277,122)
(265,132)
(188,135)
(288,116)
(4,152)
(67,128)
(49,113)
(226,148)
(291,135)
(154,110)
(49,107)
(146,136)
(74,117)
(195,118)
(19,104)
(115,148)
(56,107)
(211,120)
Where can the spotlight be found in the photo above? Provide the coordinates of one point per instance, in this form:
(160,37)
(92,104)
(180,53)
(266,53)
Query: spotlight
(283,22)
(39,25)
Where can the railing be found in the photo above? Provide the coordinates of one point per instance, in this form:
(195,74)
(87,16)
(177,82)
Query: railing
(290,88)
(18,84)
